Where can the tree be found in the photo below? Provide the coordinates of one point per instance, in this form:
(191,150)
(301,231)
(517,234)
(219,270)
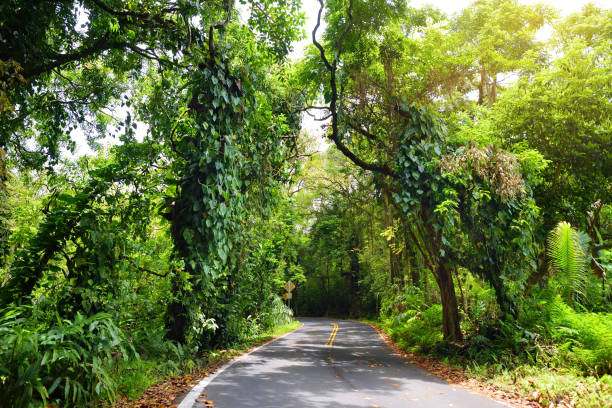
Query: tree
(407,143)
(212,136)
(498,35)
(67,65)
(561,110)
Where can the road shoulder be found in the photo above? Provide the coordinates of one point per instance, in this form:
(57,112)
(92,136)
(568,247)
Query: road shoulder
(455,376)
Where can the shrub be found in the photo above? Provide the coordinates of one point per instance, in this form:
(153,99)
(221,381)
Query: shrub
(584,339)
(68,364)
(276,313)
(418,331)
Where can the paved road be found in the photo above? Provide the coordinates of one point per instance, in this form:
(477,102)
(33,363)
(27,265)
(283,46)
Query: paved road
(357,369)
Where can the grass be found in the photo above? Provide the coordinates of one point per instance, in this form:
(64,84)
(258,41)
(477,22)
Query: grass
(136,376)
(553,386)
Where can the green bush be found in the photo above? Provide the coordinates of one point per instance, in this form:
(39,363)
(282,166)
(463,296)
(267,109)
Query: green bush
(502,342)
(69,364)
(275,313)
(417,331)
(584,339)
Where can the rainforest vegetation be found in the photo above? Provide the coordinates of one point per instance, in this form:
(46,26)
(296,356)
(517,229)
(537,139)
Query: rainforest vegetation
(168,166)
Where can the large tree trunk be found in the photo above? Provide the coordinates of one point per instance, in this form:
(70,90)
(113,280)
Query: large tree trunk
(450,312)
(353,278)
(463,299)
(493,91)
(482,86)
(177,318)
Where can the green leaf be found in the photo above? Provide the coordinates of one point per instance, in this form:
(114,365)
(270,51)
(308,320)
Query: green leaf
(188,235)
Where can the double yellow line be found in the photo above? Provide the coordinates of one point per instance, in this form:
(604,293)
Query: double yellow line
(332,335)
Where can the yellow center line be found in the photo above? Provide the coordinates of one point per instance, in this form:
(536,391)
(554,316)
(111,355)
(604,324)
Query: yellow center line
(332,335)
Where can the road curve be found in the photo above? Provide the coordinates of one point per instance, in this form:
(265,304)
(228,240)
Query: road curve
(332,363)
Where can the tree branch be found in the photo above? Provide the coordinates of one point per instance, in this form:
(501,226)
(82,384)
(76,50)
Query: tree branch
(346,30)
(140,268)
(211,44)
(314,38)
(362,131)
(332,68)
(98,46)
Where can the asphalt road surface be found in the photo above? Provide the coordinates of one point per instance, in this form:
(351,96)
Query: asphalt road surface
(332,363)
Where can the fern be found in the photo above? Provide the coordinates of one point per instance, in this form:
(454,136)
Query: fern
(568,258)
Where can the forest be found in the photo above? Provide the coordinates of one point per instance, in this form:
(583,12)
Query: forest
(168,166)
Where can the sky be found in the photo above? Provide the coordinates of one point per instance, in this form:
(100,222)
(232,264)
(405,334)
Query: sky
(311,8)
(566,6)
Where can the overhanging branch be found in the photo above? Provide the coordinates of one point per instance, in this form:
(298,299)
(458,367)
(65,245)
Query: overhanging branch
(333,108)
(100,45)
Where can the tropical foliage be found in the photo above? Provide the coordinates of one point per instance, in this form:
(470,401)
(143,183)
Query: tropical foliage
(160,184)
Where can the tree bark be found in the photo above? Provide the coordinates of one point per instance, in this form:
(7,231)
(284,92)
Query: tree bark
(463,299)
(481,86)
(177,319)
(353,277)
(450,312)
(176,322)
(412,267)
(493,93)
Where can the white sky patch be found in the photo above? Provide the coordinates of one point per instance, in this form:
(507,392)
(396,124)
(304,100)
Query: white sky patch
(82,146)
(564,6)
(311,9)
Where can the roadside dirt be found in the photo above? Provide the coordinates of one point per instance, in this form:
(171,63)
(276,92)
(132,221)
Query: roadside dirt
(170,392)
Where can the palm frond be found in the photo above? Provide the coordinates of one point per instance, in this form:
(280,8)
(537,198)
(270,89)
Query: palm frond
(568,258)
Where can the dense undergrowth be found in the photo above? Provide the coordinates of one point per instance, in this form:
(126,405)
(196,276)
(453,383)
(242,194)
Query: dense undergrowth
(551,353)
(89,360)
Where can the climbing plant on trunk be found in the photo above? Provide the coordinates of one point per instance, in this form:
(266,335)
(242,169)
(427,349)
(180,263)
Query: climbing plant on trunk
(441,205)
(210,202)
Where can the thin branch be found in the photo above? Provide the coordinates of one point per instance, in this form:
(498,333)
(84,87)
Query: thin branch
(173,132)
(140,268)
(345,32)
(426,255)
(98,46)
(219,26)
(335,136)
(306,108)
(144,53)
(322,119)
(123,14)
(312,107)
(314,38)
(228,9)
(362,131)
